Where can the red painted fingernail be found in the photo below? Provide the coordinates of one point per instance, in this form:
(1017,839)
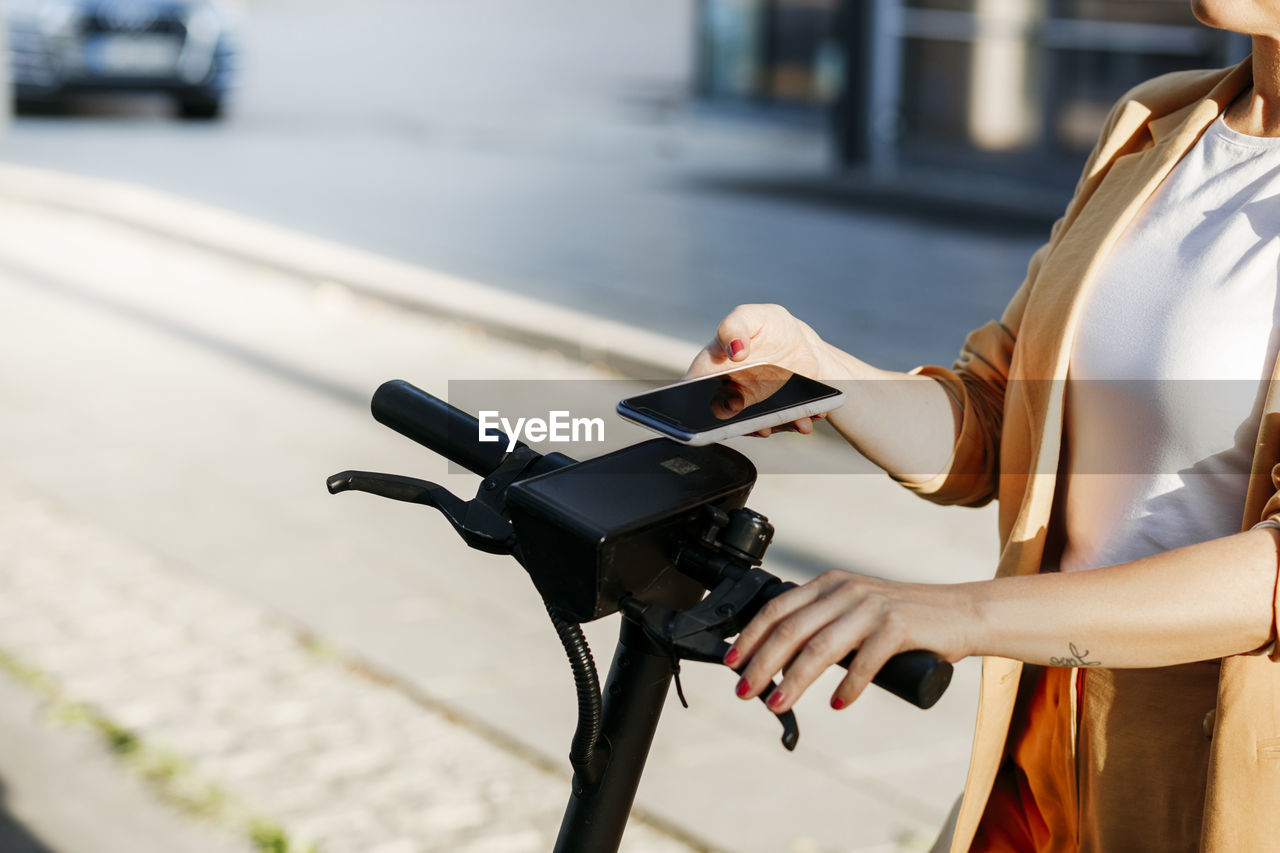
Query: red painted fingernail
(732,657)
(837,702)
(743,688)
(776,699)
(736,346)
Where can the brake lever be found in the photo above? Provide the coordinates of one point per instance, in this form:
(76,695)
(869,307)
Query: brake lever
(699,633)
(480,521)
(478,525)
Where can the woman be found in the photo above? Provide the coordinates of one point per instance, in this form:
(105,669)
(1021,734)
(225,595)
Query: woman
(1131,689)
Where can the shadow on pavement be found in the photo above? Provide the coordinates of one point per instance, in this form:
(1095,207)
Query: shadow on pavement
(14,837)
(981,206)
(124,108)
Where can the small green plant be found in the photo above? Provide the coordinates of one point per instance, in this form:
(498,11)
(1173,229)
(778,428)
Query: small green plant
(269,837)
(26,674)
(119,740)
(168,774)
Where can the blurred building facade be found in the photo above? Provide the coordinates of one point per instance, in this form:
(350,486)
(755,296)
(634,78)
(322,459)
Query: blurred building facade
(1016,88)
(6,95)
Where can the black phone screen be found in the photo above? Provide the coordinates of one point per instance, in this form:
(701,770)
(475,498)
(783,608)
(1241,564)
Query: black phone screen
(714,402)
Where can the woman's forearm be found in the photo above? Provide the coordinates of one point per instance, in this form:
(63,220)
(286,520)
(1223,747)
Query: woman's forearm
(1195,603)
(905,424)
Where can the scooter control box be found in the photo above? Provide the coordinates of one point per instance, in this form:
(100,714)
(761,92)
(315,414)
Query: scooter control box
(591,533)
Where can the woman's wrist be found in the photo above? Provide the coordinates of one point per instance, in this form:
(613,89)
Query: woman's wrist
(980,620)
(967,602)
(1018,618)
(836,364)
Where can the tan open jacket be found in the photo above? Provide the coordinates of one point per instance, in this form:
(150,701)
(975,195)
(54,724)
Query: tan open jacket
(1010,379)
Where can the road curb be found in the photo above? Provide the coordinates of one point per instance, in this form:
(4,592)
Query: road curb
(628,350)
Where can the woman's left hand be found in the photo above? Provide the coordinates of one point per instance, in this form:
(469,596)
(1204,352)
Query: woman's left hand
(807,629)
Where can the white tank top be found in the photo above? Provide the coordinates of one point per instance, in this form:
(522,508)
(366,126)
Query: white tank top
(1170,363)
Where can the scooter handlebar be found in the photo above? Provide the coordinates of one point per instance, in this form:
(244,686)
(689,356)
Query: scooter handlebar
(438,426)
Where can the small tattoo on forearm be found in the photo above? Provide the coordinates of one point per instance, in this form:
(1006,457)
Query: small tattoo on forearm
(1077,658)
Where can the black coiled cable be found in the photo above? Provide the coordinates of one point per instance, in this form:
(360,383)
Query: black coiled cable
(582,751)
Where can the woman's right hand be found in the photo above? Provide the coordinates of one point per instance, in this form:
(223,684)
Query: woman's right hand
(756,333)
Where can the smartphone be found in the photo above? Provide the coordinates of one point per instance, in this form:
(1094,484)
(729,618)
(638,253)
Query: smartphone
(734,402)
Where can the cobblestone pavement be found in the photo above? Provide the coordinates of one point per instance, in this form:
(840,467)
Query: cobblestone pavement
(61,792)
(256,724)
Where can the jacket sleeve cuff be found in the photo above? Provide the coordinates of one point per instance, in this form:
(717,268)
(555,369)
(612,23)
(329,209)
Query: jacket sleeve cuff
(966,476)
(1273,649)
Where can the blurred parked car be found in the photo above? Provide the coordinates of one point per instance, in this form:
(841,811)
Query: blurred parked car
(60,48)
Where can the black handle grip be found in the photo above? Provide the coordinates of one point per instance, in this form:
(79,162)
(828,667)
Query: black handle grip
(436,425)
(919,676)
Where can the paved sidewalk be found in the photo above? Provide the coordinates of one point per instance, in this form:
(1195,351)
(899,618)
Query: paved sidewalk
(265,732)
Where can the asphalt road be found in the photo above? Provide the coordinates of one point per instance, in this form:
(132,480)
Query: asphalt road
(549,149)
